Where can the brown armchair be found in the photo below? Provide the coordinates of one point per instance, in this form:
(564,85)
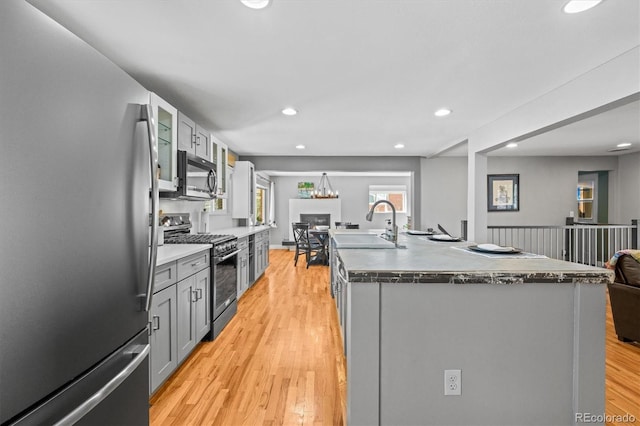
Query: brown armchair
(624,295)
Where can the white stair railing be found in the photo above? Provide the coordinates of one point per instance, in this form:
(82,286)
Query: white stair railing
(579,243)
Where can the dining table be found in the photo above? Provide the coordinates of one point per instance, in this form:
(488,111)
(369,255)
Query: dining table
(322,236)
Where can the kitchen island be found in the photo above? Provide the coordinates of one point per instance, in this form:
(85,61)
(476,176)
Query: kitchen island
(526,332)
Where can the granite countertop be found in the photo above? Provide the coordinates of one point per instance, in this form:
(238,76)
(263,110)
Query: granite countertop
(426,261)
(242,231)
(170,252)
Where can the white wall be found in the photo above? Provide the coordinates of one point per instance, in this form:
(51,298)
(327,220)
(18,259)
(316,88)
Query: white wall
(354,196)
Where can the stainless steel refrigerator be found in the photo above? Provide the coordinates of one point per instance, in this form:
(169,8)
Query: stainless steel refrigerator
(75,263)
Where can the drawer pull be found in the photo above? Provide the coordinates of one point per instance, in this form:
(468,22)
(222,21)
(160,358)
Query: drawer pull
(193,265)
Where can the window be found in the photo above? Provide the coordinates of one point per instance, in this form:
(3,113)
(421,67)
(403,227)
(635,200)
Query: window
(261,204)
(395,194)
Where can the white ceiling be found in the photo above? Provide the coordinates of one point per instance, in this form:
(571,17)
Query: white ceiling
(597,134)
(363,74)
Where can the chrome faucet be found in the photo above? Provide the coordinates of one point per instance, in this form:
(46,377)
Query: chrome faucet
(394,232)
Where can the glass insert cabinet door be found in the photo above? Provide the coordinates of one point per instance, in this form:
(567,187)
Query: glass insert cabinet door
(166,117)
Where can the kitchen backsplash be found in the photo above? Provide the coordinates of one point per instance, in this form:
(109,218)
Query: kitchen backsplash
(201,221)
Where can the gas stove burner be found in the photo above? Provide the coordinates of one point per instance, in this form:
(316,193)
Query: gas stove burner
(197,238)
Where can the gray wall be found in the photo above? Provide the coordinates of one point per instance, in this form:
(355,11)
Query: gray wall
(547,187)
(444,193)
(629,187)
(354,196)
(547,192)
(342,164)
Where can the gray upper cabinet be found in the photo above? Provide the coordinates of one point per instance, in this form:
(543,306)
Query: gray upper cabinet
(186,134)
(203,143)
(192,138)
(243,191)
(166,132)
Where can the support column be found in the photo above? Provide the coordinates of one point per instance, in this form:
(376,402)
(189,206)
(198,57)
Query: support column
(476,196)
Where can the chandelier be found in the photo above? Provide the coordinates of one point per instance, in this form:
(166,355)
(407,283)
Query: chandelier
(325,190)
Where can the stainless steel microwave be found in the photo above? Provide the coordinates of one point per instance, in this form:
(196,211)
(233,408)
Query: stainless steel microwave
(197,179)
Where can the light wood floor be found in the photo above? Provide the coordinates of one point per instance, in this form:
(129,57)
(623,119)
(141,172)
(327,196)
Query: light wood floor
(280,360)
(622,375)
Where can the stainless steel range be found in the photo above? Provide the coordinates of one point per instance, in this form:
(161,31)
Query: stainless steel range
(224,266)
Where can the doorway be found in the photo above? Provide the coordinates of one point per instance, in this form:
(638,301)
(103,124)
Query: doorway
(592,196)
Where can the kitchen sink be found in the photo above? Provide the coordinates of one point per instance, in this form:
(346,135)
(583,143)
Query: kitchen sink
(364,241)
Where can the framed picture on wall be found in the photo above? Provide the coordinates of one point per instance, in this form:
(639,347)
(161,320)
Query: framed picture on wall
(503,193)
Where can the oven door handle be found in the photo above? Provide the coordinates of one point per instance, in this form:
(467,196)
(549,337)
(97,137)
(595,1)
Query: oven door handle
(222,259)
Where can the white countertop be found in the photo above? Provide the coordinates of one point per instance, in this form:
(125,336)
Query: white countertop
(170,252)
(242,231)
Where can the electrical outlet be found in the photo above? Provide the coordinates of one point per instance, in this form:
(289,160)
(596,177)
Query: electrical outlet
(452,382)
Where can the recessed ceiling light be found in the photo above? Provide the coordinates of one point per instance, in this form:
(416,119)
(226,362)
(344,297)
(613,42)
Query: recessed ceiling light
(289,111)
(255,4)
(300,147)
(512,145)
(442,112)
(623,145)
(399,146)
(577,6)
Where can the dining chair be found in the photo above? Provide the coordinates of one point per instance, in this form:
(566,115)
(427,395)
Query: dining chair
(303,243)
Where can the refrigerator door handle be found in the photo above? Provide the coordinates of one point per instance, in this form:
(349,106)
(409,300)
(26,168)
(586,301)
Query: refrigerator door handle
(106,390)
(147,115)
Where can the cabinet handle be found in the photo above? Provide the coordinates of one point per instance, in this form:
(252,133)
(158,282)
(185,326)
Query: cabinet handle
(194,296)
(193,265)
(198,140)
(156,323)
(199,293)
(193,139)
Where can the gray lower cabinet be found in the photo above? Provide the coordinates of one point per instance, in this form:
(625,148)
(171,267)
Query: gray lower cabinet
(164,351)
(202,313)
(265,251)
(243,265)
(259,256)
(186,312)
(193,312)
(180,315)
(261,252)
